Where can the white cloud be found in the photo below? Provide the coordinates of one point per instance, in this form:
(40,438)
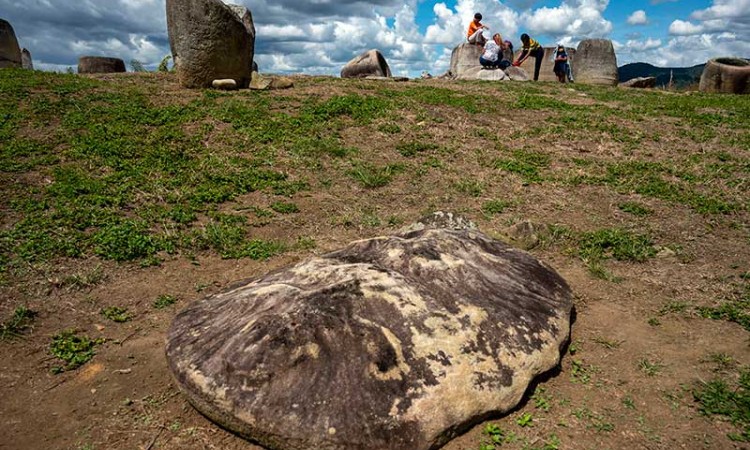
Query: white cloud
(682,28)
(643,46)
(572,20)
(638,18)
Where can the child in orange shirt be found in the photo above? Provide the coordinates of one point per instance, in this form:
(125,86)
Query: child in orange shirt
(474,35)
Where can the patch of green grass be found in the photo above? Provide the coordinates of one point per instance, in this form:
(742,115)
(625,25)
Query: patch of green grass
(609,344)
(729,400)
(72,349)
(494,207)
(674,307)
(371,176)
(19,322)
(363,109)
(116,314)
(284,207)
(164,301)
(411,149)
(389,128)
(473,188)
(615,243)
(650,368)
(527,164)
(634,208)
(735,308)
(125,241)
(439,96)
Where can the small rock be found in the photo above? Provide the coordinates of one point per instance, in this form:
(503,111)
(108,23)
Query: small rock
(665,252)
(525,234)
(225,84)
(281,83)
(257,82)
(640,82)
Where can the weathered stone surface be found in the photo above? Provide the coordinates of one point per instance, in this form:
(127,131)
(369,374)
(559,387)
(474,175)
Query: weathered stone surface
(371,62)
(465,57)
(10,53)
(517,73)
(640,82)
(247,19)
(209,42)
(596,63)
(726,75)
(480,73)
(26,61)
(281,83)
(100,64)
(258,82)
(227,84)
(546,72)
(395,342)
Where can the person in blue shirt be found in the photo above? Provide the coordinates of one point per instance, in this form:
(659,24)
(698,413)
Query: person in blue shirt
(561,68)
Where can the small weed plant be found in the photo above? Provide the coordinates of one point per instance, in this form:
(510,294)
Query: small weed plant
(164,301)
(19,322)
(72,349)
(116,314)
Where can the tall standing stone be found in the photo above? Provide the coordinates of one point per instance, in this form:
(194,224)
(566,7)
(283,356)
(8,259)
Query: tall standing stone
(247,19)
(596,63)
(26,61)
(10,53)
(465,57)
(209,42)
(395,342)
(369,63)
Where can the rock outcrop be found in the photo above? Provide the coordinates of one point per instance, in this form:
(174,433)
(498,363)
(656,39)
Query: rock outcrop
(596,63)
(726,75)
(517,73)
(640,82)
(546,72)
(10,52)
(369,63)
(396,342)
(100,64)
(209,41)
(26,61)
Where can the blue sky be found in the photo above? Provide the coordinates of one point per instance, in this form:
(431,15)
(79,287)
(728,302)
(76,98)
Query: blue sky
(319,37)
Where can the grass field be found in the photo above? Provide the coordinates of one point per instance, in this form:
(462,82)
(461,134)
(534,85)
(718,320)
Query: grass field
(125,197)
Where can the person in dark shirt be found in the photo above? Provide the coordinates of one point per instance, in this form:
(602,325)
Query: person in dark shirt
(561,64)
(530,47)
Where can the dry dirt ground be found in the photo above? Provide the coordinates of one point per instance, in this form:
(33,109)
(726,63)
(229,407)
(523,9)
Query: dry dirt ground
(639,346)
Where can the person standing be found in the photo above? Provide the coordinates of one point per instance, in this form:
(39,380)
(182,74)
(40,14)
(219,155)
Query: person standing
(530,47)
(474,35)
(561,64)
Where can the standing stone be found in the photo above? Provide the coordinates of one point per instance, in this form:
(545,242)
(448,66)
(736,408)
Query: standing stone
(371,62)
(26,61)
(247,19)
(209,42)
(546,72)
(395,342)
(100,64)
(10,53)
(465,57)
(726,75)
(596,63)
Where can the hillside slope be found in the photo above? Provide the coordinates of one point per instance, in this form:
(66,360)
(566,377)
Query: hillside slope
(683,76)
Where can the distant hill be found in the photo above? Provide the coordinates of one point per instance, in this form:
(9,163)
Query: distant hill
(683,76)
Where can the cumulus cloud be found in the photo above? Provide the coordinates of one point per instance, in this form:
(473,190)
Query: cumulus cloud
(683,28)
(643,46)
(571,21)
(638,18)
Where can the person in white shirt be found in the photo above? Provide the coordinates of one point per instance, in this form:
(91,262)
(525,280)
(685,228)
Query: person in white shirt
(492,56)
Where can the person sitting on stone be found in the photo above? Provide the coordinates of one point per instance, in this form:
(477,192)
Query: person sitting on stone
(493,53)
(561,64)
(474,35)
(530,47)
